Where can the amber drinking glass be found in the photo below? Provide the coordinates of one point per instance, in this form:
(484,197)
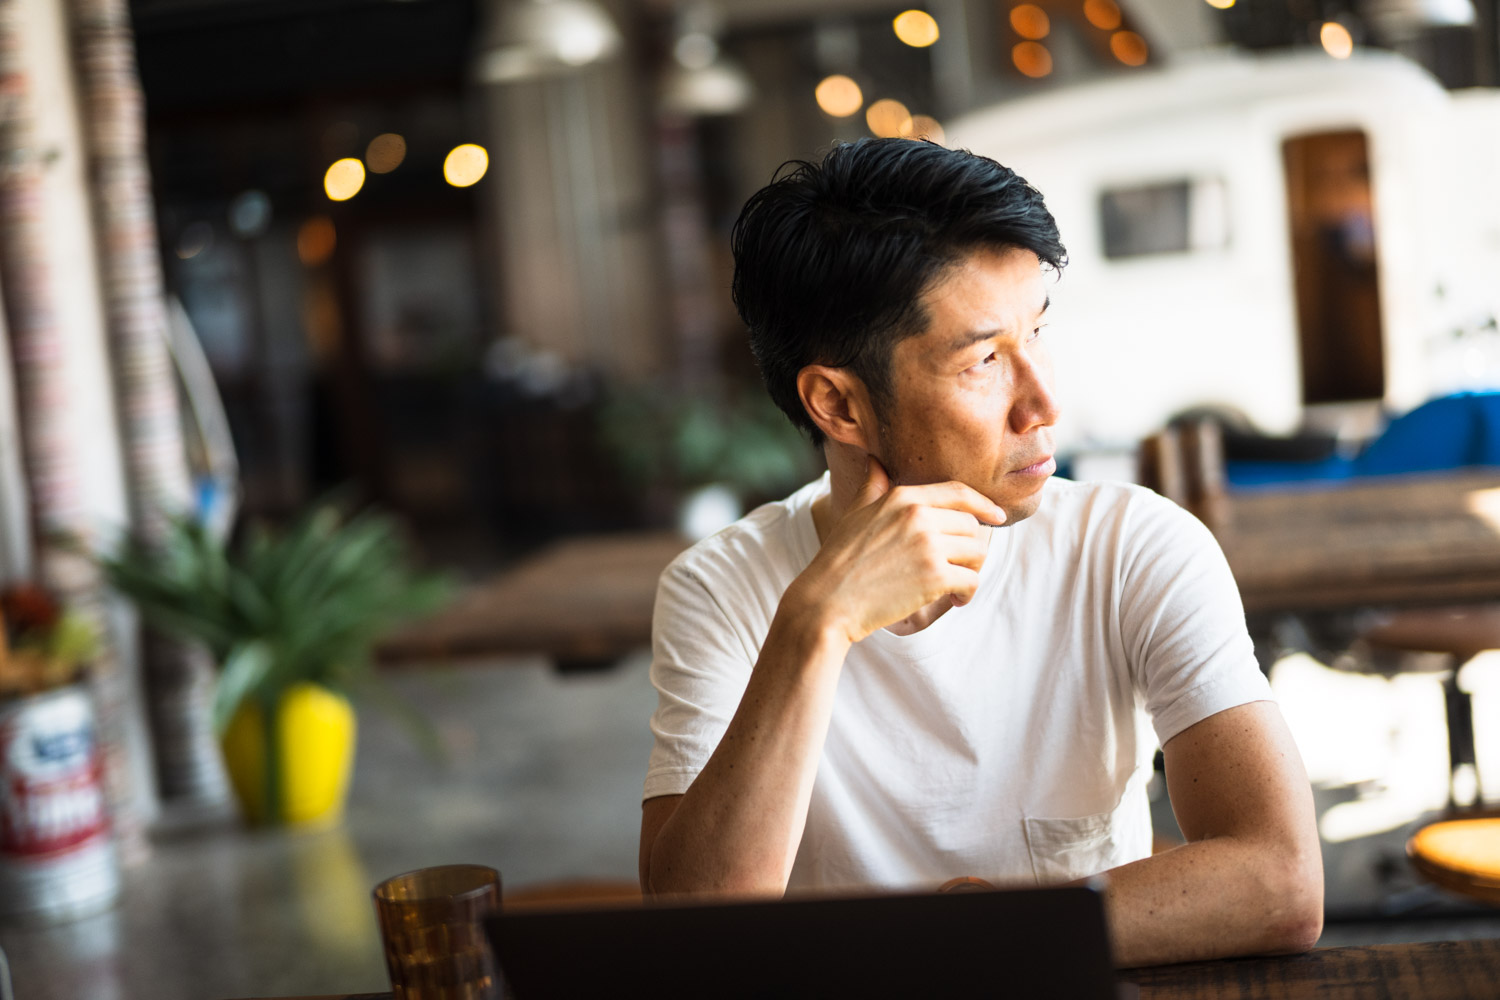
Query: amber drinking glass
(432,922)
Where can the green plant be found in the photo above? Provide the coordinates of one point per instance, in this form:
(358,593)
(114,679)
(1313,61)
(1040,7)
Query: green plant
(306,604)
(692,440)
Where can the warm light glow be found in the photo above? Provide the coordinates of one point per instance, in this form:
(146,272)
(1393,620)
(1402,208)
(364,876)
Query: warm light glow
(1336,40)
(888,118)
(1032,59)
(925,127)
(916,28)
(385,153)
(316,240)
(839,96)
(1102,14)
(465,165)
(1221,4)
(1030,21)
(344,179)
(1128,47)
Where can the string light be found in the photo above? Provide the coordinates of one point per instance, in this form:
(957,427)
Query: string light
(465,165)
(916,28)
(1128,47)
(888,118)
(1030,21)
(839,96)
(343,179)
(1336,40)
(1032,59)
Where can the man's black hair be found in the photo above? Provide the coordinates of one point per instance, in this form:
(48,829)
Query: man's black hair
(831,259)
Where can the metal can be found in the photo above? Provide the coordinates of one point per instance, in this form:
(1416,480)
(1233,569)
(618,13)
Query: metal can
(57,856)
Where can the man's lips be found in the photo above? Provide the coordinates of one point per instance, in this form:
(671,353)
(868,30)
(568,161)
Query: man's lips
(1042,467)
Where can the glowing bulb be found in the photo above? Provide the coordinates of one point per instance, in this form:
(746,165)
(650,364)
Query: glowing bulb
(839,96)
(465,164)
(916,28)
(1102,14)
(385,153)
(344,179)
(1030,21)
(1032,59)
(1336,40)
(316,240)
(1128,47)
(888,118)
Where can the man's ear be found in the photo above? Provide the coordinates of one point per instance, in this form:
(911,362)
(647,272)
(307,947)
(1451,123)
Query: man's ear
(838,402)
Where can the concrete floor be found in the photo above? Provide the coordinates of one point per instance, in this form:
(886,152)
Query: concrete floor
(542,781)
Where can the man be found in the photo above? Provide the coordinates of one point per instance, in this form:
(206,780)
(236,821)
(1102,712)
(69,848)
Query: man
(936,661)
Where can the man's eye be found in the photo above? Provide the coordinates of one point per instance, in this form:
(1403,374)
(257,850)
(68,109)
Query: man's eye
(1038,331)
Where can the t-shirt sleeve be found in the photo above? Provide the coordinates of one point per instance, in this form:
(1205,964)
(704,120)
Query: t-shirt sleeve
(700,665)
(1182,620)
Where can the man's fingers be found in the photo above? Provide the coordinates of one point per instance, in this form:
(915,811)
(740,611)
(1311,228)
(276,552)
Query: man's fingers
(956,522)
(958,496)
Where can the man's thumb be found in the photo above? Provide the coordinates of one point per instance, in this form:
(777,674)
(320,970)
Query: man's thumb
(876,485)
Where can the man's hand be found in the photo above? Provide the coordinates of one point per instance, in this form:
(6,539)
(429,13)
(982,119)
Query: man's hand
(896,551)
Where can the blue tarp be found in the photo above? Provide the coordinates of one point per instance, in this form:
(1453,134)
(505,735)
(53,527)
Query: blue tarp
(1450,432)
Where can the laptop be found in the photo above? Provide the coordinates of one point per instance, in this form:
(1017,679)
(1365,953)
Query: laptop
(1023,943)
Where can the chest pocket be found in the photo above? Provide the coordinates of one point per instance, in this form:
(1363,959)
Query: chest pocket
(1065,849)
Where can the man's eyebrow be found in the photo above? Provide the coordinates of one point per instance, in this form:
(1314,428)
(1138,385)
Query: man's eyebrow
(975,336)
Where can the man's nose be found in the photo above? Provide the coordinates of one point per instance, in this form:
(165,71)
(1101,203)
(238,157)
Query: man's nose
(1034,404)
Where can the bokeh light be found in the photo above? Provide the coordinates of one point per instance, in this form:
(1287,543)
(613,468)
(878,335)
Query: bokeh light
(465,165)
(1102,14)
(343,179)
(1220,4)
(1128,47)
(385,153)
(925,127)
(316,240)
(839,96)
(916,28)
(888,118)
(1032,59)
(1336,40)
(1030,21)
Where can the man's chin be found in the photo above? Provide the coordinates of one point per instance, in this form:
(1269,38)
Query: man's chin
(1018,509)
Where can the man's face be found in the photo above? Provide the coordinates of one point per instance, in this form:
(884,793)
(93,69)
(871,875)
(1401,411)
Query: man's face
(972,396)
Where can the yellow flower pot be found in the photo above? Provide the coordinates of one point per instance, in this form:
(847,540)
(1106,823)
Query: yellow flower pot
(316,729)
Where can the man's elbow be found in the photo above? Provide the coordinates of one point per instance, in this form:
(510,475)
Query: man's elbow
(1297,905)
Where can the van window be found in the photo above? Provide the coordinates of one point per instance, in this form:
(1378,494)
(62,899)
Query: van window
(1167,217)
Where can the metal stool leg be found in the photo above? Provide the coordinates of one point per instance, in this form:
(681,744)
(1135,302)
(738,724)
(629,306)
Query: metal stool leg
(1460,712)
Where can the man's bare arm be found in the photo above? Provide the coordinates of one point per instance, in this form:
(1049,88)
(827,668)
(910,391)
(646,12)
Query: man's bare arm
(737,828)
(1250,878)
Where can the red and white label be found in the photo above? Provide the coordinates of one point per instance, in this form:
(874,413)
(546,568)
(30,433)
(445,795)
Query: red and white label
(51,792)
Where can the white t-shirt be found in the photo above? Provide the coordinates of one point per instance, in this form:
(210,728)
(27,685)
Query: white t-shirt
(1011,738)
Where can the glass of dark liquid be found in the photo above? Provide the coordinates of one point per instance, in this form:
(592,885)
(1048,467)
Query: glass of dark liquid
(432,923)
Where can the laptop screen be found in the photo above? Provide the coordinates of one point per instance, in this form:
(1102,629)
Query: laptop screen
(1027,943)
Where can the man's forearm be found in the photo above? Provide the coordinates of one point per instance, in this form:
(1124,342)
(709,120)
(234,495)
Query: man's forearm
(1212,899)
(737,828)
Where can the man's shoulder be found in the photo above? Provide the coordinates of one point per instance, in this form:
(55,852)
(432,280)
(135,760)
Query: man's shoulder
(1071,504)
(769,540)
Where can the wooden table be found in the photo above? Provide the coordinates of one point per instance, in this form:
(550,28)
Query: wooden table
(583,602)
(1442,970)
(1431,539)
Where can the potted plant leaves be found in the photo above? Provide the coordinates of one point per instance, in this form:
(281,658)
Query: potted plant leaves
(291,618)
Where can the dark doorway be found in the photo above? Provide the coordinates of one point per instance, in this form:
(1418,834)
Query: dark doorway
(1333,261)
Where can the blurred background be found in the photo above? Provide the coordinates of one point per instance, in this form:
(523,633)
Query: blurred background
(467,261)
